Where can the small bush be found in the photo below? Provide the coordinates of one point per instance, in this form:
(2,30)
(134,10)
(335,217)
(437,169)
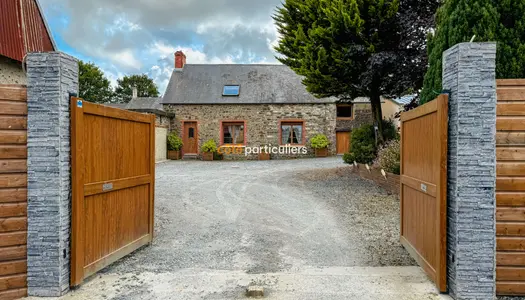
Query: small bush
(390,131)
(319,141)
(363,142)
(217,156)
(174,142)
(209,146)
(388,157)
(348,158)
(363,147)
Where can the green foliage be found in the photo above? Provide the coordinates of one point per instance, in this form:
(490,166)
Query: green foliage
(217,156)
(145,87)
(490,20)
(363,144)
(352,48)
(93,85)
(319,141)
(388,157)
(348,158)
(174,142)
(390,131)
(209,146)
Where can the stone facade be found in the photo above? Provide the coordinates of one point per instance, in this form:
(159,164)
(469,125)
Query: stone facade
(262,122)
(362,116)
(469,74)
(11,71)
(52,77)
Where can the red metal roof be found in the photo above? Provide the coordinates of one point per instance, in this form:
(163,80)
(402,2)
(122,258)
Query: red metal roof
(23,29)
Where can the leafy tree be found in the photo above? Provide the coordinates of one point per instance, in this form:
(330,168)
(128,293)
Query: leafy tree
(93,85)
(352,48)
(489,20)
(145,87)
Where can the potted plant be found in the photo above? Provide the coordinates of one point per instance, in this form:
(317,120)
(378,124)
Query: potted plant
(320,144)
(208,149)
(174,146)
(263,155)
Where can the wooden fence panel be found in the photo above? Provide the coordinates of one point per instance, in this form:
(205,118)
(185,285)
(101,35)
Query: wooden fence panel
(13,191)
(113,177)
(510,188)
(424,187)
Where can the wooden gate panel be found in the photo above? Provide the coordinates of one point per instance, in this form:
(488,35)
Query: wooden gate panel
(424,186)
(13,191)
(113,161)
(510,188)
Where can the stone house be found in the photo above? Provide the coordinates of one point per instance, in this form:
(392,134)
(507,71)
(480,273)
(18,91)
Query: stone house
(23,29)
(247,105)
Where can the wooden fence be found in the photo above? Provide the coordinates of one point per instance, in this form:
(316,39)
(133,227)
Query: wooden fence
(510,188)
(424,187)
(113,178)
(13,191)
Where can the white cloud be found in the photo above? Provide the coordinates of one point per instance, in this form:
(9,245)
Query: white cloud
(125,58)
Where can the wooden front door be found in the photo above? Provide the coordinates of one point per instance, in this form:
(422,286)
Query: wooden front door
(190,138)
(343,142)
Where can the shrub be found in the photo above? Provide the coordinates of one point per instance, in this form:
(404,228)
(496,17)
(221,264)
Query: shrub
(348,158)
(363,142)
(174,142)
(209,146)
(217,156)
(319,141)
(388,157)
(363,147)
(390,131)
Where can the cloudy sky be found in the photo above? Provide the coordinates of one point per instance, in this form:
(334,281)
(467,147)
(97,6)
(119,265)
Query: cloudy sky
(140,36)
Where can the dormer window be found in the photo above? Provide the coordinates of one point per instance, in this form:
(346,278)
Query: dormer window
(231,90)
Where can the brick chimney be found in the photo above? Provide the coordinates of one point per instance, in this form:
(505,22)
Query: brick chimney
(180,60)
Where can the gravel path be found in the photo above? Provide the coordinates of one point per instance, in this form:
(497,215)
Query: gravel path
(269,217)
(305,229)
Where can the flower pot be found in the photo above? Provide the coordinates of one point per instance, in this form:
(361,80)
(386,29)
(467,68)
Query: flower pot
(264,156)
(321,152)
(174,154)
(208,156)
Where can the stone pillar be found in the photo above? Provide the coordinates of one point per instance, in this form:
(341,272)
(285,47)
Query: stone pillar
(51,77)
(469,74)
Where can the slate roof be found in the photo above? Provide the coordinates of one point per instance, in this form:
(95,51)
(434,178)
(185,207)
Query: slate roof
(259,84)
(404,100)
(143,104)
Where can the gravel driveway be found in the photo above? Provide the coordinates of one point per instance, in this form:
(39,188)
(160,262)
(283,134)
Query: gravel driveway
(304,229)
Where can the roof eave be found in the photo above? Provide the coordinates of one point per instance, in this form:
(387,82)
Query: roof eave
(46,25)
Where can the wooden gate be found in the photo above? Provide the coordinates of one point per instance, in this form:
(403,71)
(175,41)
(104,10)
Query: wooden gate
(13,191)
(424,187)
(113,178)
(510,188)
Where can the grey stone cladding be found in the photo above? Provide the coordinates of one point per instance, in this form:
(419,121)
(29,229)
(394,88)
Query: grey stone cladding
(51,77)
(469,74)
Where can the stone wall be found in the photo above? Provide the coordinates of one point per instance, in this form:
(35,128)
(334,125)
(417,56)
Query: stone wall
(469,74)
(11,71)
(51,78)
(362,115)
(390,183)
(262,122)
